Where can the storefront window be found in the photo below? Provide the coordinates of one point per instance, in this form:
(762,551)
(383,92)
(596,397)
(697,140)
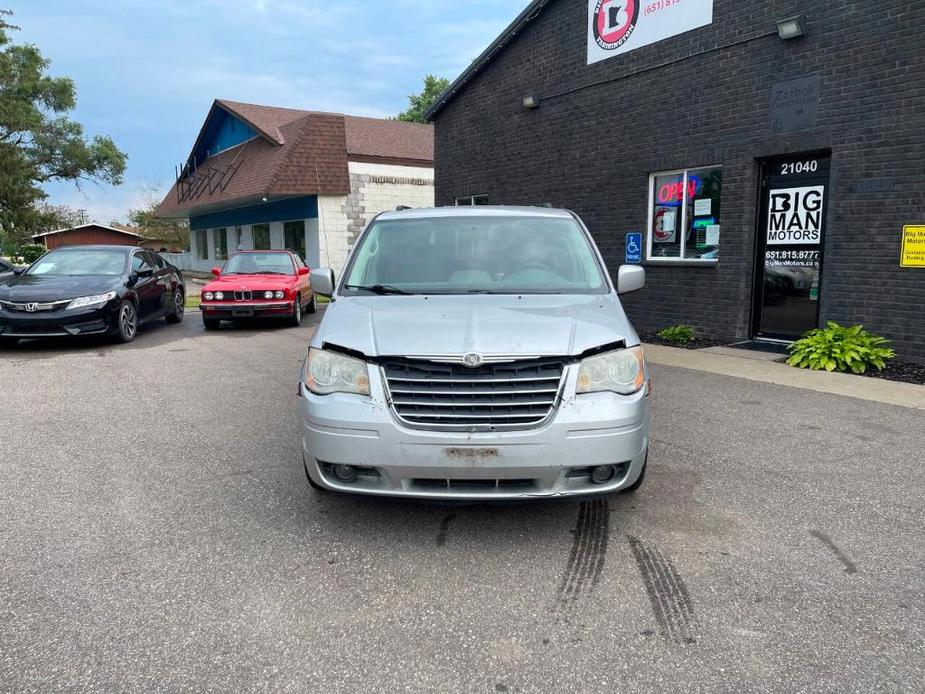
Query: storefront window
(468,200)
(261,234)
(294,237)
(202,244)
(684,214)
(220,236)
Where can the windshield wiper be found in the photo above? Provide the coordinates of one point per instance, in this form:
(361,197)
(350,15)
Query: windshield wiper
(381,289)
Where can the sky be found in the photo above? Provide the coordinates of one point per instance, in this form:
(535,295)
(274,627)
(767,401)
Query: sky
(147,71)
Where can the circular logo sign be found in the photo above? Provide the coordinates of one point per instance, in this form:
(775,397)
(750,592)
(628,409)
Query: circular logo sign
(472,360)
(614,22)
(660,231)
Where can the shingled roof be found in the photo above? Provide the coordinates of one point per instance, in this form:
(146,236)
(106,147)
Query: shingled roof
(295,153)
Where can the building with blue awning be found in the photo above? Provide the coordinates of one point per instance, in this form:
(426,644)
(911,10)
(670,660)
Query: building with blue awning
(265,177)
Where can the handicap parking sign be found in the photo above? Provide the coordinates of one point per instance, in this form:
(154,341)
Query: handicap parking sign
(634,248)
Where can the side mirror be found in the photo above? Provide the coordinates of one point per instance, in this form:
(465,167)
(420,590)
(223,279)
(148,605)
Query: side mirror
(630,278)
(217,271)
(303,271)
(18,270)
(323,281)
(145,272)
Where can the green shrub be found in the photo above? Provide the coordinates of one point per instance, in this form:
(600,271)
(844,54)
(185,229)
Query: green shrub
(677,334)
(31,252)
(835,348)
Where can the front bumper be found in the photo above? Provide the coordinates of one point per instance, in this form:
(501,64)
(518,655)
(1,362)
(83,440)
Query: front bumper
(89,321)
(247,309)
(552,461)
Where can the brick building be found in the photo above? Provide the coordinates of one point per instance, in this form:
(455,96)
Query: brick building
(770,161)
(266,177)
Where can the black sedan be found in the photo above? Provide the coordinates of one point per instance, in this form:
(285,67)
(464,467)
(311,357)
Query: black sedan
(90,290)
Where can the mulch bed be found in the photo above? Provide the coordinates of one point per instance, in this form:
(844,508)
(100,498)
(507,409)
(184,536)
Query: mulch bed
(901,371)
(696,343)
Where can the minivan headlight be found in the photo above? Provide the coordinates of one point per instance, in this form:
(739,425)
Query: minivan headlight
(95,300)
(331,372)
(623,371)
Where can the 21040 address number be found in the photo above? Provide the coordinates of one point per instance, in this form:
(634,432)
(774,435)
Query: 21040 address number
(799,167)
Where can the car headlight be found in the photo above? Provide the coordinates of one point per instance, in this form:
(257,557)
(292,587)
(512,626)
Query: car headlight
(280,295)
(219,296)
(330,372)
(623,371)
(95,300)
(208,296)
(268,295)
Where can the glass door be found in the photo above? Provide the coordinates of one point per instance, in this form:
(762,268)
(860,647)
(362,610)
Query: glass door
(791,233)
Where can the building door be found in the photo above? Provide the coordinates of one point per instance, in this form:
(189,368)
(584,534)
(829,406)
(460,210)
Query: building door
(791,231)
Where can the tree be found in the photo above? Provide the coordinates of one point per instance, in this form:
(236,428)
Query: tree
(419,104)
(173,232)
(38,143)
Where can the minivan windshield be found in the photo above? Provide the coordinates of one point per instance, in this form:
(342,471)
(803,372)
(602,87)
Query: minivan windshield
(73,263)
(475,255)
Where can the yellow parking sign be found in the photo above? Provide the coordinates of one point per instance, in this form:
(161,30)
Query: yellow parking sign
(913,254)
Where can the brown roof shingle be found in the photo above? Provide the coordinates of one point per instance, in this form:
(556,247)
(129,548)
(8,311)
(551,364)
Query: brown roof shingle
(298,153)
(390,139)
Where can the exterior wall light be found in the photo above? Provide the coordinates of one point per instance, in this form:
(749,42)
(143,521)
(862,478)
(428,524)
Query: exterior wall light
(791,27)
(532,101)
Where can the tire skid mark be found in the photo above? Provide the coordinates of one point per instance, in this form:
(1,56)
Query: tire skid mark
(587,556)
(444,527)
(668,594)
(850,566)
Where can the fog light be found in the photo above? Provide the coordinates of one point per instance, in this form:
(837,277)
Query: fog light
(602,474)
(345,473)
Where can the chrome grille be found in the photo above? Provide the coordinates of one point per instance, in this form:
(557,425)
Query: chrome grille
(33,307)
(514,395)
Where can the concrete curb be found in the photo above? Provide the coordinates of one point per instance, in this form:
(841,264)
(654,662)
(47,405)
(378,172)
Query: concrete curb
(760,369)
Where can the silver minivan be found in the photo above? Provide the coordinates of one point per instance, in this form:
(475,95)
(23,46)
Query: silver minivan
(475,353)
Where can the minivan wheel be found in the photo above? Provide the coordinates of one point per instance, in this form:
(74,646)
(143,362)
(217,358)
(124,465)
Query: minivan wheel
(313,305)
(175,315)
(127,326)
(211,323)
(314,485)
(642,476)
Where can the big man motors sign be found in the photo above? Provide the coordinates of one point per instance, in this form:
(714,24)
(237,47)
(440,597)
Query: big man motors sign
(621,26)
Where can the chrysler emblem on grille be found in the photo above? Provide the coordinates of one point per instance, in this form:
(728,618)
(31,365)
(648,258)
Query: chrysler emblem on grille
(472,360)
(32,308)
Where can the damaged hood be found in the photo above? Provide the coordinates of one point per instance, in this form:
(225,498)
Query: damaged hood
(535,325)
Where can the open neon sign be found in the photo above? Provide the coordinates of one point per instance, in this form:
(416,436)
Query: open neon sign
(671,194)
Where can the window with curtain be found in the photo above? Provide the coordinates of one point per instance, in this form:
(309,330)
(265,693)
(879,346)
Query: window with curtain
(220,236)
(294,237)
(202,244)
(261,234)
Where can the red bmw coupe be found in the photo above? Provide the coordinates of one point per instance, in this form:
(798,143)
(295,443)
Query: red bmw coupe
(258,284)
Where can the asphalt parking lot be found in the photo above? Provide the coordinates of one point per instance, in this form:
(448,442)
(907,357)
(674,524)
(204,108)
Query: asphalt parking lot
(158,534)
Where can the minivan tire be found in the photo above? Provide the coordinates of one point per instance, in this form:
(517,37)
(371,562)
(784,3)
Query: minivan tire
(642,476)
(313,305)
(211,323)
(314,485)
